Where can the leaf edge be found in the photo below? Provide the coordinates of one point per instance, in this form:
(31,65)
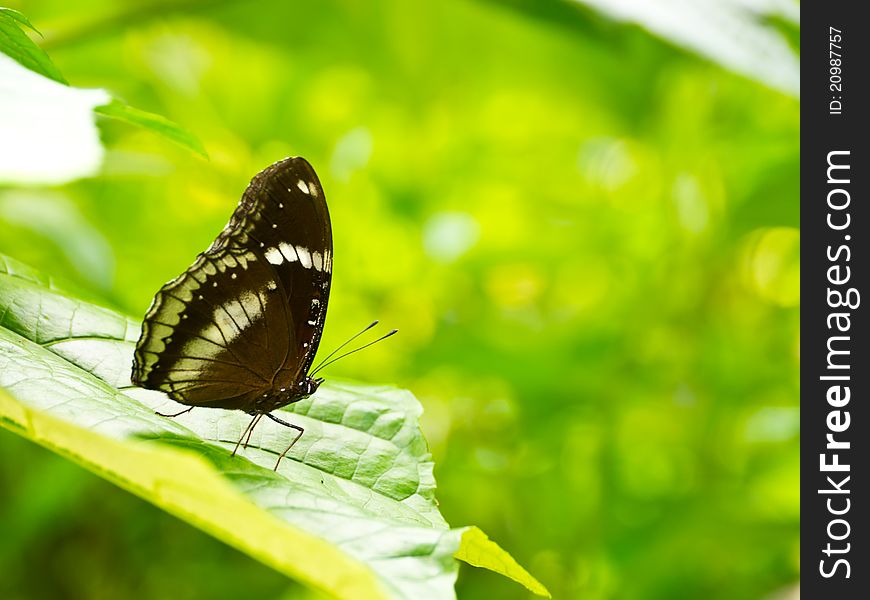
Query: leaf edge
(476,549)
(267,534)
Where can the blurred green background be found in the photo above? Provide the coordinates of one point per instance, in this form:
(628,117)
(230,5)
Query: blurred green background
(587,235)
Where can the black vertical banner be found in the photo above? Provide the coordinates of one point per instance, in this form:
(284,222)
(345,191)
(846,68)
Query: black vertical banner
(835,222)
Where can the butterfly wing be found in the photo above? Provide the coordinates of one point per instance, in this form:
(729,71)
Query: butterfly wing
(283,216)
(246,318)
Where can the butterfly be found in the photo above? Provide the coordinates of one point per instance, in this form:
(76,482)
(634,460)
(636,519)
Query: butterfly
(240,327)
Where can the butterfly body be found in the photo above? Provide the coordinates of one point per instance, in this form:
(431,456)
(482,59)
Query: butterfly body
(240,327)
(280,397)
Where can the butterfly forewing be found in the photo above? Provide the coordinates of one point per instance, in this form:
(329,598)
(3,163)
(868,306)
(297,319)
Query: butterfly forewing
(245,319)
(283,214)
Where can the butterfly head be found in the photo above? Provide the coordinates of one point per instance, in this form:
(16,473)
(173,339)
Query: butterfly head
(310,385)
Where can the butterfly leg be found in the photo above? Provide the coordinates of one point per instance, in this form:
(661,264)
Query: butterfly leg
(251,430)
(245,432)
(173,415)
(296,439)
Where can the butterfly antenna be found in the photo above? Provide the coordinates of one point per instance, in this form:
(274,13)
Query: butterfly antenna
(327,363)
(331,354)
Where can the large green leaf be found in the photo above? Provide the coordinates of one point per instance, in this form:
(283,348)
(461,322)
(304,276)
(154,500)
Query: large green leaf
(352,511)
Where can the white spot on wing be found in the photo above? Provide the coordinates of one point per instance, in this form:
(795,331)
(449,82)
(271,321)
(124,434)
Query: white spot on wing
(197,347)
(317,261)
(212,333)
(304,256)
(251,304)
(288,252)
(303,186)
(246,258)
(273,255)
(235,316)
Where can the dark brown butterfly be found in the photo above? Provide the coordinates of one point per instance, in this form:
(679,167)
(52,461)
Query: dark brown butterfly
(240,327)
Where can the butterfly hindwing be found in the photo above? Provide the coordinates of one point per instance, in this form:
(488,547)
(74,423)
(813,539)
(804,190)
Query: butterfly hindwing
(245,319)
(215,335)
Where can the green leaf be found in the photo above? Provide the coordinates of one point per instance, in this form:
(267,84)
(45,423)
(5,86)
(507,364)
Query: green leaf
(19,17)
(18,46)
(161,125)
(351,511)
(478,550)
